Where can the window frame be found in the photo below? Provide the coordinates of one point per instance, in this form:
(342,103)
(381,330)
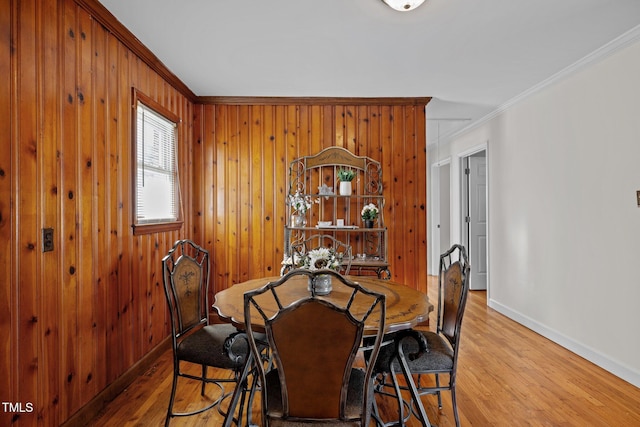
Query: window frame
(152,227)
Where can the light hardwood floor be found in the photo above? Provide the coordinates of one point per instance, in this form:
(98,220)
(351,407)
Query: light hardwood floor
(507,376)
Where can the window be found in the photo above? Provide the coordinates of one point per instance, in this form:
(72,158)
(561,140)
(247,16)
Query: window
(157,204)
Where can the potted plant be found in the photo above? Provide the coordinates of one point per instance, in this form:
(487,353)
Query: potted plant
(345,176)
(369,214)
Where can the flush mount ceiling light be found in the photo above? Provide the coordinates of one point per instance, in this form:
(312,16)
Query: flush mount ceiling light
(403,5)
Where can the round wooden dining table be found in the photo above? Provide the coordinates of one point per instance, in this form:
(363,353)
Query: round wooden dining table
(406,307)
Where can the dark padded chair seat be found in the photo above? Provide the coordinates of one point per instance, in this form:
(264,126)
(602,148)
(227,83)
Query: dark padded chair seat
(206,346)
(440,355)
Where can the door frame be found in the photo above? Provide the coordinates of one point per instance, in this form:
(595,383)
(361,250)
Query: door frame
(462,156)
(435,210)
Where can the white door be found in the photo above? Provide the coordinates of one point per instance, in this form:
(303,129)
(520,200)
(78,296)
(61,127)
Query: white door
(477,219)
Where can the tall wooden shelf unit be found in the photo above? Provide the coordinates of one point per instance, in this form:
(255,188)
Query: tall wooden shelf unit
(316,177)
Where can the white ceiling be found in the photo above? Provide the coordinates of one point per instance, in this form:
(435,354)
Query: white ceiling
(471,56)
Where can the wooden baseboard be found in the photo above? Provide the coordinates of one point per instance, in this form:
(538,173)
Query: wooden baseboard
(89,411)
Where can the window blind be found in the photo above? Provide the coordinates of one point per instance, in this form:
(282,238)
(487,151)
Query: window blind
(157,189)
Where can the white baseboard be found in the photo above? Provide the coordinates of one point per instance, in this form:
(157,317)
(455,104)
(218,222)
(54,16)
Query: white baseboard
(616,368)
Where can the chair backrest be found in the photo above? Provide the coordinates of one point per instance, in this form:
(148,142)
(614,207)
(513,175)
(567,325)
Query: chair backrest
(186,285)
(324,241)
(314,342)
(453,288)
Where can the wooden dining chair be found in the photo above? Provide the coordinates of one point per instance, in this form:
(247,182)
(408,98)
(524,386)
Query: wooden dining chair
(194,340)
(314,377)
(418,353)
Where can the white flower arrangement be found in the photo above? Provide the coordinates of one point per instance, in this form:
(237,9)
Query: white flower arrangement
(315,259)
(300,203)
(369,212)
(320,258)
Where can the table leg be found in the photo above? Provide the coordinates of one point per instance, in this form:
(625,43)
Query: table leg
(238,392)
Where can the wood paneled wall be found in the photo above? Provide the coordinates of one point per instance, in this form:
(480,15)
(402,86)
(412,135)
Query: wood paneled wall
(75,319)
(243,155)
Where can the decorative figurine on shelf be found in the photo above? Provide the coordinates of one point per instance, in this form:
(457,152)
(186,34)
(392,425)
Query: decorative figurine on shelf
(325,190)
(369,214)
(346,176)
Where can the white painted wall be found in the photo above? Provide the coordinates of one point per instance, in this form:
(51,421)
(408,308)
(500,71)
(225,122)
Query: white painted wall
(564,227)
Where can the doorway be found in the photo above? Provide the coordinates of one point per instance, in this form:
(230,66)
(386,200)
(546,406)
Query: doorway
(441,212)
(474,216)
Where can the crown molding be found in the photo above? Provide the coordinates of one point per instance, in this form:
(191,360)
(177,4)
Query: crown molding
(306,100)
(617,44)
